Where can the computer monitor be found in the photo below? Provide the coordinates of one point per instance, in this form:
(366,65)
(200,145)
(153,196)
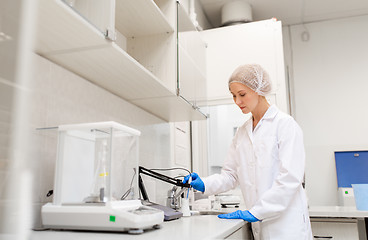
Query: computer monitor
(351,168)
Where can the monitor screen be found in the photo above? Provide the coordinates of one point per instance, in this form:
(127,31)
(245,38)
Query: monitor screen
(351,168)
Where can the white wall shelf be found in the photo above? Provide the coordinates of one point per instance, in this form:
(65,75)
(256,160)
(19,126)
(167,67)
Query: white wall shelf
(70,41)
(135,18)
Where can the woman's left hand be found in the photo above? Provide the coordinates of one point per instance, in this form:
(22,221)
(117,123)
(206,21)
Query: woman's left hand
(245,215)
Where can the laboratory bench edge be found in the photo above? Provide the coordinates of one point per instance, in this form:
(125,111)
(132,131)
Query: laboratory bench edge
(194,227)
(337,211)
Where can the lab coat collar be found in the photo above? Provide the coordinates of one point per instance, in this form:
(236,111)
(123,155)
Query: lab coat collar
(271,112)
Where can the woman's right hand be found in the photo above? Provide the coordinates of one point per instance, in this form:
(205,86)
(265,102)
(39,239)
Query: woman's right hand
(196,182)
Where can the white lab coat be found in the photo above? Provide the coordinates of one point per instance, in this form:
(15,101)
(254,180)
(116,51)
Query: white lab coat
(268,164)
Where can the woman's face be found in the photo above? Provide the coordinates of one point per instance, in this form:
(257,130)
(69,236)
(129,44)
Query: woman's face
(244,97)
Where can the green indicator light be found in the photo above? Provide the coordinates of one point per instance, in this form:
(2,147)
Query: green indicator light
(112,218)
(346,192)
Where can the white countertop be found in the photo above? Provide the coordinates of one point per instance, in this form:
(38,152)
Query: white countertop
(336,211)
(194,227)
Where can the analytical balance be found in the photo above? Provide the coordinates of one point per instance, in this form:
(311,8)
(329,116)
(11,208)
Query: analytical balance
(96,181)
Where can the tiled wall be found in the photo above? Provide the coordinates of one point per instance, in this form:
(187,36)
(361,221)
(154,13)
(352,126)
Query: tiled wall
(61,97)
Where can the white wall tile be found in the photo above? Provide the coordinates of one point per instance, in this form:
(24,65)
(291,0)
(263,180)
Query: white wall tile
(61,97)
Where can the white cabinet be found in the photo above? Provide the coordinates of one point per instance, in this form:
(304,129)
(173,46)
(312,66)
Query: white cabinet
(79,35)
(229,47)
(181,144)
(338,228)
(243,233)
(338,222)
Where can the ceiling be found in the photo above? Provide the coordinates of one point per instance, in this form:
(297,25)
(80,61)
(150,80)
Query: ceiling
(291,11)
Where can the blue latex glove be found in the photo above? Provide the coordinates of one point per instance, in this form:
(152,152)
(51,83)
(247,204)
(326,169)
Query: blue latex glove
(196,182)
(245,215)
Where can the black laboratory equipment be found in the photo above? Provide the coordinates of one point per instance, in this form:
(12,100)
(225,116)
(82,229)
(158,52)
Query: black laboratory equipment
(169,213)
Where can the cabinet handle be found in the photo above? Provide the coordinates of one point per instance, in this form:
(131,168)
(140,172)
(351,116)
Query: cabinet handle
(322,237)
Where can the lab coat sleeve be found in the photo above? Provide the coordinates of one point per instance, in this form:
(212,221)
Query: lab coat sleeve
(227,179)
(290,176)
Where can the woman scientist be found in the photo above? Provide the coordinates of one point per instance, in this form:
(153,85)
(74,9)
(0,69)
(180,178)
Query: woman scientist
(266,158)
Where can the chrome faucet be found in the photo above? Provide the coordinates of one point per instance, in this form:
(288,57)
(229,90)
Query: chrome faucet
(173,200)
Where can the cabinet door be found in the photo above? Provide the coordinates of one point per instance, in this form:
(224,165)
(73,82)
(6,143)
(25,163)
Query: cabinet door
(229,47)
(191,60)
(100,13)
(336,230)
(243,233)
(182,148)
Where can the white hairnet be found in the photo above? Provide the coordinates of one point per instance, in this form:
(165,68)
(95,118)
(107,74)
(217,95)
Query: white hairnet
(254,77)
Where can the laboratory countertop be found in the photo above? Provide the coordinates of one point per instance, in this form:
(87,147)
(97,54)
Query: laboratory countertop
(336,211)
(194,227)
